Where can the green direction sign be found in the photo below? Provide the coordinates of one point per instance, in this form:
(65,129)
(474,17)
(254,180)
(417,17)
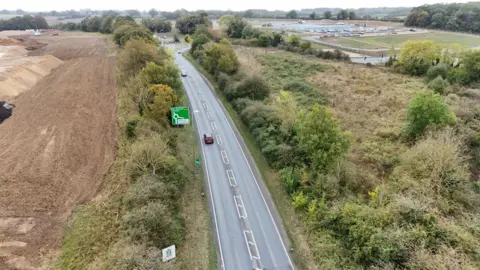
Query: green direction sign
(197,161)
(180,116)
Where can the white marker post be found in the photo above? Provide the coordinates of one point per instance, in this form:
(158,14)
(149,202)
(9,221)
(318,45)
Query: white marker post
(168,253)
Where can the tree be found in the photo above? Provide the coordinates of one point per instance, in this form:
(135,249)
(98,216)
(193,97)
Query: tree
(188,24)
(198,42)
(225,20)
(294,40)
(220,58)
(153,12)
(287,109)
(352,15)
(471,63)
(292,14)
(235,27)
(166,73)
(312,15)
(106,26)
(427,109)
(253,87)
(342,15)
(319,138)
(248,14)
(277,39)
(164,99)
(416,57)
(135,56)
(327,14)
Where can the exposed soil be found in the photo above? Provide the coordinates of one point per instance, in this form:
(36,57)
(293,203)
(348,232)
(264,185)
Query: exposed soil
(55,148)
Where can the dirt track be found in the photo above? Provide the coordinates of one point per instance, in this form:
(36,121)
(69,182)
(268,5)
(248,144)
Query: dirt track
(55,149)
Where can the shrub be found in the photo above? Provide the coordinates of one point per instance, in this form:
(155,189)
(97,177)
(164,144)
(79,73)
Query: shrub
(294,40)
(149,188)
(130,127)
(471,64)
(253,87)
(264,40)
(151,156)
(438,85)
(427,109)
(435,164)
(301,87)
(290,178)
(416,57)
(220,58)
(306,45)
(435,71)
(153,224)
(136,33)
(223,80)
(459,75)
(300,200)
(319,137)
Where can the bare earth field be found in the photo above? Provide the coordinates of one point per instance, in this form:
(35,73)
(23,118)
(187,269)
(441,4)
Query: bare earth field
(55,149)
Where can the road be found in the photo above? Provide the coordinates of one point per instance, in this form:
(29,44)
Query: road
(244,221)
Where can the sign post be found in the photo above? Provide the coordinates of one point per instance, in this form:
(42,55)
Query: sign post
(180,116)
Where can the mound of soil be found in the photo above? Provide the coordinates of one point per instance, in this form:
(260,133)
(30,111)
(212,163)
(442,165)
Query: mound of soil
(22,77)
(9,41)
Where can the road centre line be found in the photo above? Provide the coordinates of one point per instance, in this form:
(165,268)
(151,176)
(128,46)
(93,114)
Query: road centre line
(219,140)
(251,243)
(231,178)
(224,157)
(214,126)
(209,116)
(242,212)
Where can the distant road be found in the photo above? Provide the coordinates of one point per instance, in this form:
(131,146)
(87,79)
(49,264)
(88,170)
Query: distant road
(246,227)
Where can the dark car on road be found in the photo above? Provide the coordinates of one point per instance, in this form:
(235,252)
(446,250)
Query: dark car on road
(208,138)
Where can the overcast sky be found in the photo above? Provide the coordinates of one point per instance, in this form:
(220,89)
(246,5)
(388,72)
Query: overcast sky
(169,5)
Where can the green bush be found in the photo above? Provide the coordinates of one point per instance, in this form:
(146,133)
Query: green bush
(148,188)
(253,87)
(264,40)
(306,45)
(130,127)
(427,109)
(435,71)
(438,85)
(151,156)
(153,224)
(291,179)
(223,80)
(459,75)
(320,138)
(471,64)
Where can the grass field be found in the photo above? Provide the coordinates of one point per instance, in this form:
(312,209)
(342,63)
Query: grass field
(438,37)
(354,43)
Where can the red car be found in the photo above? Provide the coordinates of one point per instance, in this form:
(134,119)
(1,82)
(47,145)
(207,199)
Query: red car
(208,138)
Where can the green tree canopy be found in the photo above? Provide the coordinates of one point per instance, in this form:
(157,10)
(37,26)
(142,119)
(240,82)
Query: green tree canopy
(319,138)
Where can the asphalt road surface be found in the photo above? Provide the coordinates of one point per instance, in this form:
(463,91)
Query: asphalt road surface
(247,236)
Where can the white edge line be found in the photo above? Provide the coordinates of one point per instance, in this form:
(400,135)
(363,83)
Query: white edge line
(256,182)
(248,245)
(213,204)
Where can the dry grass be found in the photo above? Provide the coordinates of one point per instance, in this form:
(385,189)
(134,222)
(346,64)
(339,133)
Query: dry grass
(370,103)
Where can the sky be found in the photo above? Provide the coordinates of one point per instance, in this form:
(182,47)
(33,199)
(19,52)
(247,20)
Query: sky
(169,5)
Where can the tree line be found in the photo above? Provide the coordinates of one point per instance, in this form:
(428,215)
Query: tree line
(24,22)
(453,17)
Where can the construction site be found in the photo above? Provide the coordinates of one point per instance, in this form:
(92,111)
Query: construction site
(57,138)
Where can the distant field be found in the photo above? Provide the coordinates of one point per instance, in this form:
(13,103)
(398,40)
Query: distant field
(439,37)
(353,43)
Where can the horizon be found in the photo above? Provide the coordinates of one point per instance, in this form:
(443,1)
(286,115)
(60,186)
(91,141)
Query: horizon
(145,5)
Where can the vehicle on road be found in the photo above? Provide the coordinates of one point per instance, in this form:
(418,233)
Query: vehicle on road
(179,52)
(208,138)
(183,73)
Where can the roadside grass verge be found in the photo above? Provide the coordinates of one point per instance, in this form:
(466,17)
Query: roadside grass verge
(354,43)
(295,229)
